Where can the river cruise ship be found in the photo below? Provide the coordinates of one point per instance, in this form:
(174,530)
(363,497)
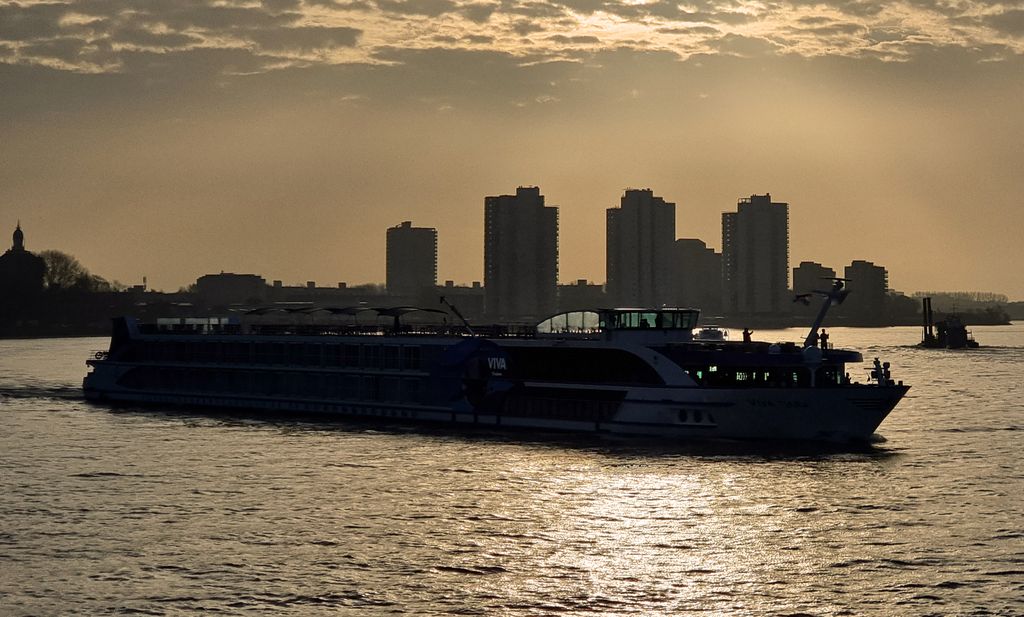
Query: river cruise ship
(621,371)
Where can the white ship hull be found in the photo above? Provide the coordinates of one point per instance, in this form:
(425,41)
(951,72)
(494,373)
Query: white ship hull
(677,413)
(620,379)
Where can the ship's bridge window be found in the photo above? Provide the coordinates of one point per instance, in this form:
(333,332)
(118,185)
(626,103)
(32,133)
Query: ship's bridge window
(665,319)
(632,320)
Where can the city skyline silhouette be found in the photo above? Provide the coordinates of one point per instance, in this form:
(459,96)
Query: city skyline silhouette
(748,282)
(674,260)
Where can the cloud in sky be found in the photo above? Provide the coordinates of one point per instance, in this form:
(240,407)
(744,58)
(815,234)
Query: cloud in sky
(104,35)
(292,122)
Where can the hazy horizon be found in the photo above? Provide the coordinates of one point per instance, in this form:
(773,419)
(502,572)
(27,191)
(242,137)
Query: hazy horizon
(283,138)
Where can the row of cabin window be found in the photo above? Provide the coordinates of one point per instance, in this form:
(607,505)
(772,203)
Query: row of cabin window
(780,377)
(559,408)
(581,365)
(292,385)
(294,354)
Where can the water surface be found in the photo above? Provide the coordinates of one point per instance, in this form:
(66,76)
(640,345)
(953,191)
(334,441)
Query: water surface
(169,512)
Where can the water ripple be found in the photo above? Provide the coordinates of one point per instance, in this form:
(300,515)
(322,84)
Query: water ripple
(172,512)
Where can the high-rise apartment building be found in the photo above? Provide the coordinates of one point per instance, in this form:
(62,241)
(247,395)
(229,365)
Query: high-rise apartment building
(581,295)
(755,257)
(811,275)
(696,276)
(520,256)
(640,236)
(808,277)
(868,285)
(411,259)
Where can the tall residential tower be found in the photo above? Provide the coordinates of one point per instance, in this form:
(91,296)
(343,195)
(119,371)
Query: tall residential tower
(520,256)
(640,237)
(411,259)
(868,284)
(755,257)
(697,276)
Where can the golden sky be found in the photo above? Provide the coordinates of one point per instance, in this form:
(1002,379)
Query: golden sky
(173,138)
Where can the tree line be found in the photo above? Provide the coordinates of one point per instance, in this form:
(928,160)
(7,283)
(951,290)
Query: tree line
(65,273)
(944,300)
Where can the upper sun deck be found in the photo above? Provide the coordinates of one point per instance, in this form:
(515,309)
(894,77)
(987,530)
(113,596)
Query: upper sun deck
(632,325)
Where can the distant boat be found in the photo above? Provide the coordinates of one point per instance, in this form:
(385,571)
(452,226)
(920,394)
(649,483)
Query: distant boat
(711,333)
(948,333)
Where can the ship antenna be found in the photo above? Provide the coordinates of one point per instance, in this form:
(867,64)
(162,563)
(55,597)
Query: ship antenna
(836,295)
(465,322)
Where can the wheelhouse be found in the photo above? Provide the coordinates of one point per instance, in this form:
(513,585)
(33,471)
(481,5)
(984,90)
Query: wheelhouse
(646,319)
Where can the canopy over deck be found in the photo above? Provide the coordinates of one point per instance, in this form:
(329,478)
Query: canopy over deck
(619,319)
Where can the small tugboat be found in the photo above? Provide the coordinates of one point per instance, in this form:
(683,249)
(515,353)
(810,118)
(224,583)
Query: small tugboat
(948,333)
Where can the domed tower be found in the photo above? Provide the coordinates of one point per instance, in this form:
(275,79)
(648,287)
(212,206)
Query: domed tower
(19,239)
(21,272)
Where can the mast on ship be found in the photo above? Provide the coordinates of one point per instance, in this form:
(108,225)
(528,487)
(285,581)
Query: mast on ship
(834,296)
(465,321)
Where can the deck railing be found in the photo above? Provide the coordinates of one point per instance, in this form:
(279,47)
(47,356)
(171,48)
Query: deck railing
(492,331)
